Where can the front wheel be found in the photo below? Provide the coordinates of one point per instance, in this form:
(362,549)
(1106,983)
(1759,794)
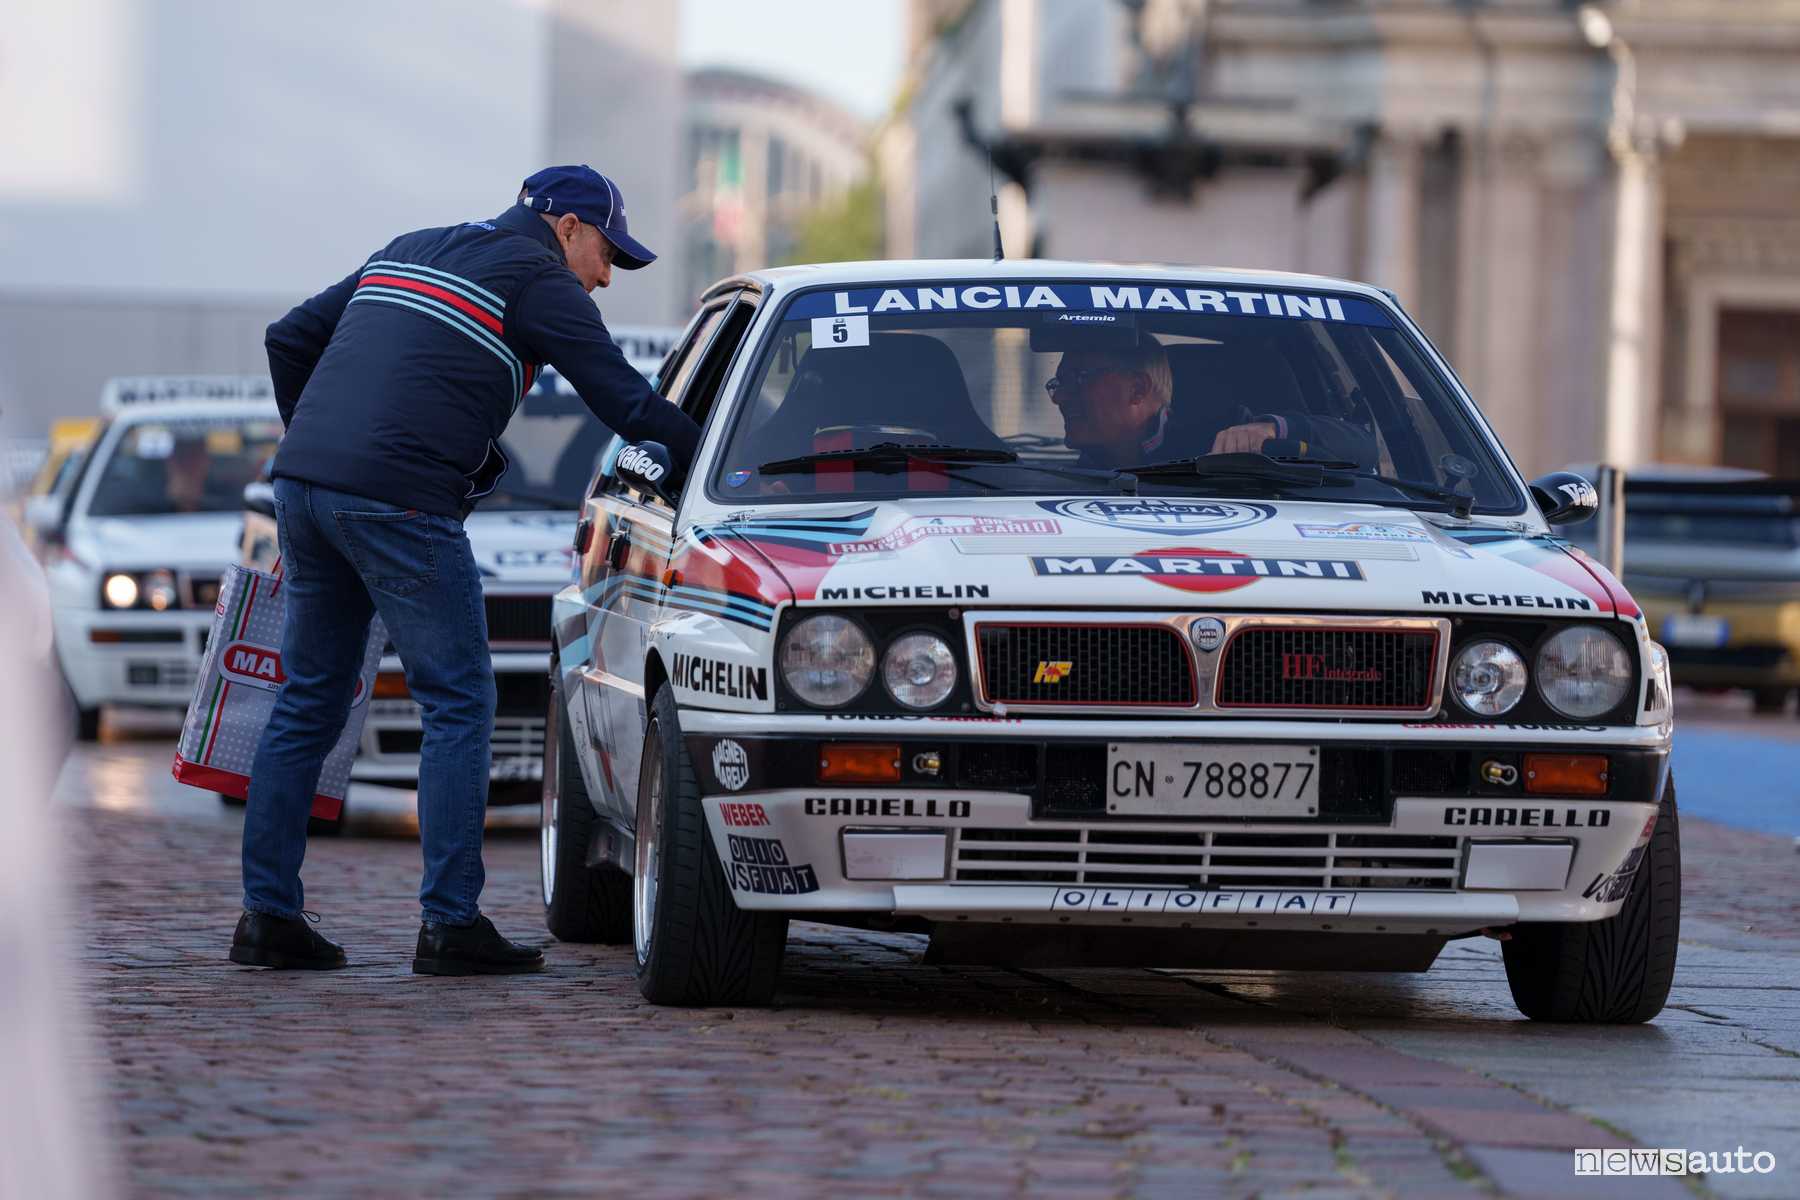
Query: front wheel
(695,946)
(581,903)
(1615,971)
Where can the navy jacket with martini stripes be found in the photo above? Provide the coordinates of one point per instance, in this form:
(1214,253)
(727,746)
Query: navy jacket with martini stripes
(397,381)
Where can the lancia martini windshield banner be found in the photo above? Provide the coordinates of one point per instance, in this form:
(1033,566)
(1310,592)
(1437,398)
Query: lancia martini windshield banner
(1087,301)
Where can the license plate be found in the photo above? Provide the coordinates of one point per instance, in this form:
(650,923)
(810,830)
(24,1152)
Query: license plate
(515,770)
(1695,629)
(1208,779)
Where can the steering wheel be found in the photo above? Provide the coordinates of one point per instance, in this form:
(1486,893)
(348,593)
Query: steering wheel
(862,436)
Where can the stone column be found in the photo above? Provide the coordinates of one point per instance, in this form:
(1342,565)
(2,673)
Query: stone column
(1391,235)
(1633,358)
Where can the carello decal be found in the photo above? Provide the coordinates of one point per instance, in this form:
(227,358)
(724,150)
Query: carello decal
(1504,600)
(735,680)
(1545,818)
(1196,569)
(258,666)
(887,806)
(908,591)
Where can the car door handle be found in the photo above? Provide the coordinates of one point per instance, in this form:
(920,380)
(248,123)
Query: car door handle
(616,550)
(584,535)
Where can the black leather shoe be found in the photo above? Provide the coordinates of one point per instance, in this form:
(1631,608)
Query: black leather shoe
(286,943)
(476,949)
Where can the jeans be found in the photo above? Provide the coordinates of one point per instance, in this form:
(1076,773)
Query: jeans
(345,558)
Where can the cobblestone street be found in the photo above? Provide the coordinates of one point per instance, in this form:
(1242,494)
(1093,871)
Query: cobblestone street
(874,1074)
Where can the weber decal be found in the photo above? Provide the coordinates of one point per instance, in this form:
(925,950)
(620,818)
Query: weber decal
(1160,514)
(760,865)
(733,680)
(743,815)
(1222,903)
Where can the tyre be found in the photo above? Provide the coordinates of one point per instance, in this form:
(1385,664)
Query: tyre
(319,827)
(694,945)
(227,798)
(581,903)
(1768,699)
(1615,971)
(87,724)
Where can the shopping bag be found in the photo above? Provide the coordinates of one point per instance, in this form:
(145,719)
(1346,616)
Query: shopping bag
(235,693)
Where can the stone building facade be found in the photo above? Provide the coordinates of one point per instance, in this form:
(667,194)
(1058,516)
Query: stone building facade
(1590,208)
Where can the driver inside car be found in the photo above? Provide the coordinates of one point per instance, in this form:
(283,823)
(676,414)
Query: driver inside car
(1115,406)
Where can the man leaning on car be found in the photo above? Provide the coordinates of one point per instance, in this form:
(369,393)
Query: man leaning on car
(395,385)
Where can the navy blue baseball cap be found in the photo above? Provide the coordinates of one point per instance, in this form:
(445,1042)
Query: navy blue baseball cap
(596,200)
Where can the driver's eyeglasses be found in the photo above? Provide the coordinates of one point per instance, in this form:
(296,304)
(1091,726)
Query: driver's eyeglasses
(1056,384)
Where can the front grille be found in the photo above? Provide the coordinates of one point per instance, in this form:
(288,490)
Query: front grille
(1084,664)
(518,620)
(1323,667)
(162,673)
(1096,854)
(515,738)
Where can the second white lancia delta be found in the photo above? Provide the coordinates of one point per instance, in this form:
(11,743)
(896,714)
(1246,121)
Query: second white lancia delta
(1081,614)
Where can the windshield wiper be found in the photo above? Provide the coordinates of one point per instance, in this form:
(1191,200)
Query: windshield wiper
(888,452)
(1458,503)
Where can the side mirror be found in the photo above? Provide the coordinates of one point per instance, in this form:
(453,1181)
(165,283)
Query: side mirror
(42,516)
(1565,497)
(259,497)
(648,467)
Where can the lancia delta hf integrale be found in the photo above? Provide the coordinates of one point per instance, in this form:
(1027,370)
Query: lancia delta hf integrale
(1080,614)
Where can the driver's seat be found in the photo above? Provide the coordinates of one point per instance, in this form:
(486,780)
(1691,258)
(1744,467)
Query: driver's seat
(897,379)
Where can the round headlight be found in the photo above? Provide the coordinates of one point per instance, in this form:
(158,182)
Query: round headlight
(159,590)
(1488,678)
(919,670)
(1583,672)
(827,661)
(121,591)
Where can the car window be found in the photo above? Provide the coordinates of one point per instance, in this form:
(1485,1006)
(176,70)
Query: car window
(1080,379)
(183,465)
(680,368)
(703,388)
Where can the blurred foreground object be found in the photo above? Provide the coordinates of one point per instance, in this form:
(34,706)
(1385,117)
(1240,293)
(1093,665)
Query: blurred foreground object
(48,1147)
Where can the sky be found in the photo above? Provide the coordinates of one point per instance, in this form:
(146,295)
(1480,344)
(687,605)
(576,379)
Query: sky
(848,50)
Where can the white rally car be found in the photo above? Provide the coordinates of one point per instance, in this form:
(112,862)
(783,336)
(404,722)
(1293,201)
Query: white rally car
(134,548)
(958,624)
(521,538)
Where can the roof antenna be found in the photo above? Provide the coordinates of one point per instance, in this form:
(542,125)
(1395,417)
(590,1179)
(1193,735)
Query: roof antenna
(994,207)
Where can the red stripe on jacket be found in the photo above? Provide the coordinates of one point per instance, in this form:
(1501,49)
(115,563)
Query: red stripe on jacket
(437,293)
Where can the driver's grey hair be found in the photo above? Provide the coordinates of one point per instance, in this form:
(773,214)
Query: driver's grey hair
(1149,357)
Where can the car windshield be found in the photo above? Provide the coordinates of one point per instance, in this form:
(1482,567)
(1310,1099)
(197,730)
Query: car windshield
(553,444)
(1052,387)
(186,465)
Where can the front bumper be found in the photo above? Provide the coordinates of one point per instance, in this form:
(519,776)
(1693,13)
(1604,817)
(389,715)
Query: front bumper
(131,657)
(1421,864)
(394,730)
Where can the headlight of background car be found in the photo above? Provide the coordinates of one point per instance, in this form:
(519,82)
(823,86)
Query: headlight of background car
(1583,672)
(827,661)
(919,670)
(1488,678)
(120,591)
(149,589)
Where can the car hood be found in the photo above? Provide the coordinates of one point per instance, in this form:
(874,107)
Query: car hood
(523,547)
(1158,552)
(179,541)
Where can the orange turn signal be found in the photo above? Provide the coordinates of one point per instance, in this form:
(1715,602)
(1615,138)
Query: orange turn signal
(1566,774)
(391,685)
(859,764)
